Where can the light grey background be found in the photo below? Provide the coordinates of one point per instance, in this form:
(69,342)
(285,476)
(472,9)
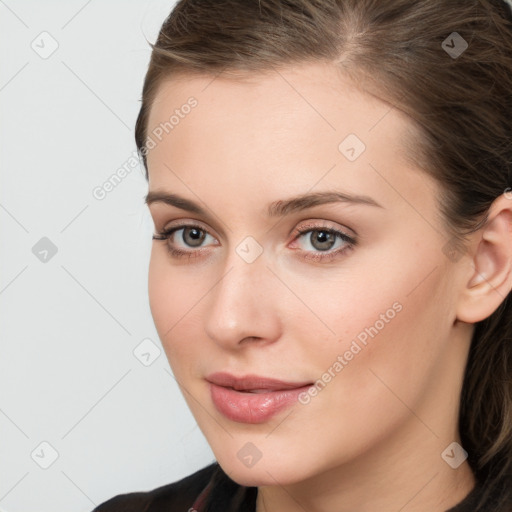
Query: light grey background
(82,417)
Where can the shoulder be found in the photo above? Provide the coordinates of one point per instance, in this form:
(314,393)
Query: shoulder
(179,495)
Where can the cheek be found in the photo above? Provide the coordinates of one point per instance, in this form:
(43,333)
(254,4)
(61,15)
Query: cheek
(393,320)
(161,298)
(174,299)
(389,345)
(168,296)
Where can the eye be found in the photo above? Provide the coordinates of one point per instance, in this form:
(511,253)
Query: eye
(322,240)
(320,245)
(191,236)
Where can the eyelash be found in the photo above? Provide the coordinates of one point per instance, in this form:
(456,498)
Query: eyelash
(351,242)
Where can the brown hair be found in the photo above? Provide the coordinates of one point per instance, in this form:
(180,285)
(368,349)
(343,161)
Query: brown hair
(461,105)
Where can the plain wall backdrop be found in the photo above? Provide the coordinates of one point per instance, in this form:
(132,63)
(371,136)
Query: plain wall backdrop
(88,404)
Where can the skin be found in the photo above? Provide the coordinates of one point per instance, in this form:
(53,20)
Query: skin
(372,438)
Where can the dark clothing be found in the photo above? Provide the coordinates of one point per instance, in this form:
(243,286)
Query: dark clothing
(211,490)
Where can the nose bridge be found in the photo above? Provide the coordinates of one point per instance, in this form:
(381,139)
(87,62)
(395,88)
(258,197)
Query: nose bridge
(243,302)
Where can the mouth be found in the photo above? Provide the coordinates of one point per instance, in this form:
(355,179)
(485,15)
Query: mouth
(251,390)
(252,398)
(253,383)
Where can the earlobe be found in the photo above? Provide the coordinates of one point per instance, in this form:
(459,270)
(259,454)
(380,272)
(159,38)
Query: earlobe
(491,280)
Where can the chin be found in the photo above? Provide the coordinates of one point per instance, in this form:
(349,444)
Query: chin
(252,477)
(262,473)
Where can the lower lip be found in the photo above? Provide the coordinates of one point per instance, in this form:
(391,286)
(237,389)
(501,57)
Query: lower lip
(253,407)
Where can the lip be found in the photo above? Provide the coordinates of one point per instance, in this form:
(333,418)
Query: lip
(252,398)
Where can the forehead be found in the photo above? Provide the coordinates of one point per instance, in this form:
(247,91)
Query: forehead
(313,93)
(289,126)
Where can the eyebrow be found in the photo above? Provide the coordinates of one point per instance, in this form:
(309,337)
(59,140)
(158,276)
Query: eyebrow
(276,209)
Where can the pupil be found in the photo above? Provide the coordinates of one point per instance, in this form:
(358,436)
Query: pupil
(324,238)
(194,234)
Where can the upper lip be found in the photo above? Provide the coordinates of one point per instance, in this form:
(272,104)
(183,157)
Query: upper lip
(250,382)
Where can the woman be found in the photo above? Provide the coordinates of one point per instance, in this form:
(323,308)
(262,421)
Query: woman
(331,273)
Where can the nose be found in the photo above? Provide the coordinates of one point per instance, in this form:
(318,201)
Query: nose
(243,306)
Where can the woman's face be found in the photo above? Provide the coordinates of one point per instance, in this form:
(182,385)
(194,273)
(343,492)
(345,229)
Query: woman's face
(362,303)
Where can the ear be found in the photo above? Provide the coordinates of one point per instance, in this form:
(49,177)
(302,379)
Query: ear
(491,264)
